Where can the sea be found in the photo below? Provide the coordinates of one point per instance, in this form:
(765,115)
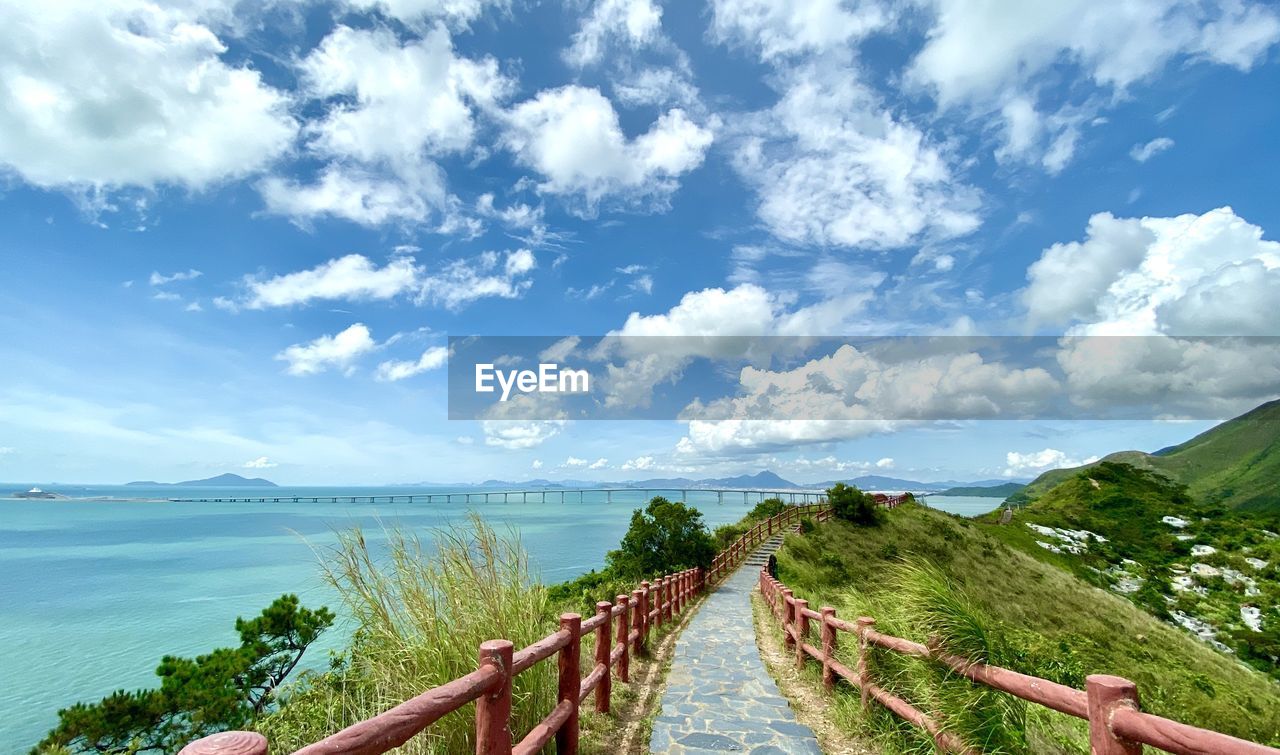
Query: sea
(96,588)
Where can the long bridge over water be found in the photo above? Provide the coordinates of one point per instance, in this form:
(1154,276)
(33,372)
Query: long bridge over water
(540,495)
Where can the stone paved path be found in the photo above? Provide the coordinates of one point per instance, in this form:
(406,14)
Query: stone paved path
(719,698)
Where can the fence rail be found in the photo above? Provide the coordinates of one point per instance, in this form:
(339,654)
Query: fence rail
(621,629)
(1117,725)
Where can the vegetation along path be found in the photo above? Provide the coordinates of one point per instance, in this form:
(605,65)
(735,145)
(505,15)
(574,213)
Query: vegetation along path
(719,697)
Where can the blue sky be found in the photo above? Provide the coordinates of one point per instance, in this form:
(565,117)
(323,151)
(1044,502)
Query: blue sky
(235,236)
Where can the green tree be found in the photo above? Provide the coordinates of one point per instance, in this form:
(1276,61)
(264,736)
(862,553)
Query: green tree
(767,508)
(666,536)
(225,689)
(853,505)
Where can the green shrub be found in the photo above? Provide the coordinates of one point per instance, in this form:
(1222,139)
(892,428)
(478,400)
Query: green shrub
(767,508)
(853,505)
(666,536)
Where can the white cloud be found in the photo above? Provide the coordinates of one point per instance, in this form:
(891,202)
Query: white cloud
(885,463)
(1144,152)
(574,462)
(339,351)
(1003,57)
(736,436)
(460,12)
(656,87)
(159,280)
(1190,275)
(600,463)
(639,463)
(353,278)
(777,28)
(358,195)
(1033,463)
(832,166)
(391,108)
(537,464)
(261,462)
(7,450)
(431,359)
(194,307)
(116,93)
(515,435)
(635,23)
(573,138)
(463,281)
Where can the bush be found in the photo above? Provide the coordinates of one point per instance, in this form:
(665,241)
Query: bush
(226,689)
(853,505)
(664,537)
(726,534)
(767,508)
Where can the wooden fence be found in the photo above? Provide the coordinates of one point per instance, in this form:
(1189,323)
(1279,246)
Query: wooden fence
(620,629)
(1117,725)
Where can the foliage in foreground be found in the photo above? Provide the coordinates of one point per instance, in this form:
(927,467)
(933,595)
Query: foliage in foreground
(853,505)
(420,615)
(664,537)
(225,689)
(1047,622)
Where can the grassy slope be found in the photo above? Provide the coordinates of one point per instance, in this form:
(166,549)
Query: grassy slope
(1236,463)
(1046,606)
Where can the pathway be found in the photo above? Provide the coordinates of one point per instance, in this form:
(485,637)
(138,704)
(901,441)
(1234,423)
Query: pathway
(719,697)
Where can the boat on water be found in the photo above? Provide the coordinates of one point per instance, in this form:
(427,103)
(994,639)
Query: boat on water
(35,493)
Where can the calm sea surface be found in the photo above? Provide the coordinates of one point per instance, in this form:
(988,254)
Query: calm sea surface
(92,593)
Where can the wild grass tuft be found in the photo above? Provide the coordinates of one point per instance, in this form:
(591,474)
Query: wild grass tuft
(420,615)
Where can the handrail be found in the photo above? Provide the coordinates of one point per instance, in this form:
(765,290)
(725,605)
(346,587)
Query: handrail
(1117,726)
(620,629)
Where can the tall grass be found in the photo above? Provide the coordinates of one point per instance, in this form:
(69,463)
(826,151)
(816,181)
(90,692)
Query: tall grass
(922,603)
(420,615)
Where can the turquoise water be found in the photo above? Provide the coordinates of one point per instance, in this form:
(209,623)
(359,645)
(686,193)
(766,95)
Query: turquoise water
(92,593)
(964,505)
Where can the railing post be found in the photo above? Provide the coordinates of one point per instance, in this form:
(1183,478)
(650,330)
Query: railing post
(864,624)
(637,619)
(624,628)
(668,590)
(802,631)
(786,616)
(570,683)
(828,647)
(1105,694)
(647,599)
(493,710)
(604,644)
(228,743)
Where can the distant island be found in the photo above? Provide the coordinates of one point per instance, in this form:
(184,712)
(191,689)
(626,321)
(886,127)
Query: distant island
(1003,490)
(227,480)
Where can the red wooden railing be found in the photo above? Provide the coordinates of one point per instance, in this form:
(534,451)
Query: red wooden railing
(653,604)
(729,558)
(1117,726)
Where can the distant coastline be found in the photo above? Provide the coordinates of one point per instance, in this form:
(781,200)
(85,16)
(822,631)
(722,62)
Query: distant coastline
(227,480)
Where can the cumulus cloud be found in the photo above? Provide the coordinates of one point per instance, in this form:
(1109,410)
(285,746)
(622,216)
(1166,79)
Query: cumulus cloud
(262,462)
(392,107)
(634,23)
(1034,462)
(832,166)
(639,463)
(1190,275)
(339,351)
(1000,57)
(600,463)
(431,359)
(572,137)
(1144,152)
(459,12)
(515,435)
(353,277)
(537,464)
(778,28)
(129,93)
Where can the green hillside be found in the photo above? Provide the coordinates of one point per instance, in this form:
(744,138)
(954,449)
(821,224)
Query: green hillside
(1036,617)
(1236,463)
(1200,565)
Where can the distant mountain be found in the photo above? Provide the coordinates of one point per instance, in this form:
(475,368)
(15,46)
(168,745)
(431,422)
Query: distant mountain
(227,480)
(1003,490)
(1236,464)
(763,480)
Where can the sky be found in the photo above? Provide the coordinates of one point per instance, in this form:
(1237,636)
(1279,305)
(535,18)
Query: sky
(237,236)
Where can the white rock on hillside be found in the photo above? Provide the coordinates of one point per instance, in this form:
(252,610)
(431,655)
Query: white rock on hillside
(1256,563)
(1252,617)
(1203,550)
